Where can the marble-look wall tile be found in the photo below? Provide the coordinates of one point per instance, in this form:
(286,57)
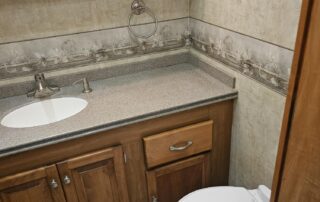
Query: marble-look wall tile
(256,127)
(264,62)
(275,21)
(96,71)
(258,113)
(27,57)
(21,20)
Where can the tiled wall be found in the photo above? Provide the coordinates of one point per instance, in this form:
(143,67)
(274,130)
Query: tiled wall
(21,19)
(256,125)
(252,40)
(27,57)
(44,35)
(261,61)
(273,21)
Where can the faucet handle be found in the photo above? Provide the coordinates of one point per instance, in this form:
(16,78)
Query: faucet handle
(40,81)
(39,76)
(86,86)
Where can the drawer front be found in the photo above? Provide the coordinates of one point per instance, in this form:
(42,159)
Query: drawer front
(179,143)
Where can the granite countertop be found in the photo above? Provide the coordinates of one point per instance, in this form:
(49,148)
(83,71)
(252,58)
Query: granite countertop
(116,102)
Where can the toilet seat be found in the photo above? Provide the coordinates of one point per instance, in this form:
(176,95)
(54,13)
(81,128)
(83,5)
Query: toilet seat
(227,194)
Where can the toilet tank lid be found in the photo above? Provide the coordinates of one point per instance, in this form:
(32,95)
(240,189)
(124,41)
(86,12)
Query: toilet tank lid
(219,194)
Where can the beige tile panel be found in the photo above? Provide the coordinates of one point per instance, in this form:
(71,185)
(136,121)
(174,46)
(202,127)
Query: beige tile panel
(28,19)
(256,128)
(274,21)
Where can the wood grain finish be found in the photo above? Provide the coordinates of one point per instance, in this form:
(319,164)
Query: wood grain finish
(130,137)
(135,171)
(170,183)
(195,139)
(98,176)
(32,186)
(120,136)
(221,114)
(297,174)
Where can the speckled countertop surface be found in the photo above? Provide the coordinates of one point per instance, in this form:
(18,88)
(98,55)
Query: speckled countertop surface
(117,102)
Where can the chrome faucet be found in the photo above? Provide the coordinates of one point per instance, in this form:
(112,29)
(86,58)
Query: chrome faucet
(42,89)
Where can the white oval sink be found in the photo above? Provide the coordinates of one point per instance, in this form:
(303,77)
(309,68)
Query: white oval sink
(44,112)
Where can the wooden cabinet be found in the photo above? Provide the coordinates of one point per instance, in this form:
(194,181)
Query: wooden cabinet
(90,168)
(171,182)
(41,184)
(98,176)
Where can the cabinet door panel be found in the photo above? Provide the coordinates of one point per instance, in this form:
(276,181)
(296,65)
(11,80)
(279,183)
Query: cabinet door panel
(98,176)
(170,183)
(32,186)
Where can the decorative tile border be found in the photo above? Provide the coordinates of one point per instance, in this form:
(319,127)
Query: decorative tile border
(96,71)
(264,62)
(27,57)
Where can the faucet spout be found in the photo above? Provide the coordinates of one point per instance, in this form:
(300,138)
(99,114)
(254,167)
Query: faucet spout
(42,88)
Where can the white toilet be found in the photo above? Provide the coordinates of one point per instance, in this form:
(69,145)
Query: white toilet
(229,194)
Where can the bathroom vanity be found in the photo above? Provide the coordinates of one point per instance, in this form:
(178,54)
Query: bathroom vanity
(155,137)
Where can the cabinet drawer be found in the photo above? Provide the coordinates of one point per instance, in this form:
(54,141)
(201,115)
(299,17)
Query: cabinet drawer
(179,143)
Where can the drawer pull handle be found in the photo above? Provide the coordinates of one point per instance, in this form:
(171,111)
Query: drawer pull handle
(175,148)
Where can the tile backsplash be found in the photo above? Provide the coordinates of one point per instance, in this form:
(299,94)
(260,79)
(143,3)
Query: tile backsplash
(27,57)
(33,19)
(264,62)
(253,41)
(274,21)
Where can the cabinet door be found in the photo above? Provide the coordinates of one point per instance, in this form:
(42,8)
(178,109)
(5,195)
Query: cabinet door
(41,184)
(97,176)
(170,183)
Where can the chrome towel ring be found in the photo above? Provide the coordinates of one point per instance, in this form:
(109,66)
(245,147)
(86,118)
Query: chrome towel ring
(138,7)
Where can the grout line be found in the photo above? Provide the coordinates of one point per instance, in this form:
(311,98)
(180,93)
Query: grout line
(84,32)
(242,34)
(189,12)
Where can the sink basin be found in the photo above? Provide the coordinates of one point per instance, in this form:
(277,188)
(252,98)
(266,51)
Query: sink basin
(44,112)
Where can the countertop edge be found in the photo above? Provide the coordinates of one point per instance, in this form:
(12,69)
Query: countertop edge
(97,129)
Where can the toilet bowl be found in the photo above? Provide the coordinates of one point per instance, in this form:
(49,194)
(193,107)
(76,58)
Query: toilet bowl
(229,194)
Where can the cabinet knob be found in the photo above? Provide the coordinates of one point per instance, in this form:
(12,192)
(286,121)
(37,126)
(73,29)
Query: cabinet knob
(53,183)
(154,199)
(66,180)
